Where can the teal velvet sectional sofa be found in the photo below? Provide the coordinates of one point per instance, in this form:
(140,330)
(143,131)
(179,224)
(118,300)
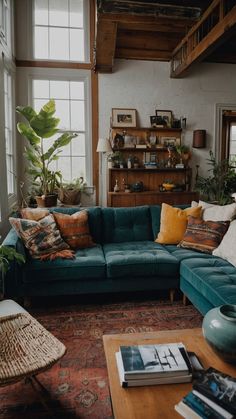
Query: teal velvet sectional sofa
(125,258)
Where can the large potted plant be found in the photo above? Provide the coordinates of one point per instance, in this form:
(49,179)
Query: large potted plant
(39,128)
(219,185)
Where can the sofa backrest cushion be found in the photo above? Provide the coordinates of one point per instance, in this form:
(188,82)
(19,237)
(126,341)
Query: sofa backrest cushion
(94,219)
(126,224)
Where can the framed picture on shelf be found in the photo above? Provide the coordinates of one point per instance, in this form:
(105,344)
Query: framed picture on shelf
(124,117)
(157,121)
(166,117)
(169,141)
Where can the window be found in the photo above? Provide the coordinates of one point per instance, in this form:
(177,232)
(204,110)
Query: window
(71,97)
(59,30)
(5,22)
(9,138)
(232,142)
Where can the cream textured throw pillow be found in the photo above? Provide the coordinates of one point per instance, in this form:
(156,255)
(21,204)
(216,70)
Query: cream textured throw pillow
(213,212)
(226,249)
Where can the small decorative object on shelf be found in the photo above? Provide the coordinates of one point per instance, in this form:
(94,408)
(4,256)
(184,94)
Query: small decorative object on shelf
(116,187)
(219,330)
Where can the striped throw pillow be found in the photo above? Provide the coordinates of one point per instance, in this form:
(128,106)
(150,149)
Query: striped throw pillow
(203,236)
(74,229)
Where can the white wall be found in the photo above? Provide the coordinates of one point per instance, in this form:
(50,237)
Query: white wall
(147,86)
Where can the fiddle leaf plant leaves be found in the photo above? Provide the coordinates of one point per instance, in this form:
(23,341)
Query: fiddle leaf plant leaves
(41,126)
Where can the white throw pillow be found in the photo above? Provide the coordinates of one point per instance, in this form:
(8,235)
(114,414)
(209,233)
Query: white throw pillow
(226,249)
(213,212)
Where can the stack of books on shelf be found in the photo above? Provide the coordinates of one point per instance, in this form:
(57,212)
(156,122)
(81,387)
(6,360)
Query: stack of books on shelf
(213,396)
(143,365)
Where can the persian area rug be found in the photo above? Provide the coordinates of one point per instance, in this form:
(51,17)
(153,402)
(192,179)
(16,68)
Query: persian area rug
(78,383)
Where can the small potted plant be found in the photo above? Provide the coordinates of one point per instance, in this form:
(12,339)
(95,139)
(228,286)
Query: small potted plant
(70,193)
(168,185)
(39,127)
(7,255)
(184,154)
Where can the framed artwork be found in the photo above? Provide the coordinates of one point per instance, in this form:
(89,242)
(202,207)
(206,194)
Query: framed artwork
(157,121)
(124,118)
(169,141)
(166,117)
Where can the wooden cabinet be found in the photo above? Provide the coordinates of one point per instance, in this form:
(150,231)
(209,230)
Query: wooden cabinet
(161,167)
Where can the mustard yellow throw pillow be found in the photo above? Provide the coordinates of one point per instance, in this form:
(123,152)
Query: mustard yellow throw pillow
(174,223)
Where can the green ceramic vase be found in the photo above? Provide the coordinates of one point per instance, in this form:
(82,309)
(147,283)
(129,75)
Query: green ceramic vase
(219,330)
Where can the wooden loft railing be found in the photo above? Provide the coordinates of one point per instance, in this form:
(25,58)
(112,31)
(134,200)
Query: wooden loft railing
(216,24)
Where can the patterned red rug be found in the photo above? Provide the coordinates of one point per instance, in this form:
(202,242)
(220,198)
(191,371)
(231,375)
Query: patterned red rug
(78,384)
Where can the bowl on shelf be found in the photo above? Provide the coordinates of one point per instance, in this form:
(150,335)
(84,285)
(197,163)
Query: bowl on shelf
(168,186)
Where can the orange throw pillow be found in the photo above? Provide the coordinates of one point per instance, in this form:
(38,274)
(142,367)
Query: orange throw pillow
(174,223)
(74,229)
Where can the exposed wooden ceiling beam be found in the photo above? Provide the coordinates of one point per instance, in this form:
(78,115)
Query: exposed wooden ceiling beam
(195,47)
(141,54)
(105,46)
(147,8)
(146,20)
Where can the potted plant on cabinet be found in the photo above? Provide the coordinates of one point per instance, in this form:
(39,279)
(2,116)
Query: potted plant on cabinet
(70,193)
(40,127)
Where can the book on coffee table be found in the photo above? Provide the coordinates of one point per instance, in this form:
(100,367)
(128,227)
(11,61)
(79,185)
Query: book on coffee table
(155,361)
(220,388)
(148,381)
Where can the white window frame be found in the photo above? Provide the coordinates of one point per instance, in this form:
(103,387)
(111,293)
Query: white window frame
(219,110)
(70,75)
(86,35)
(12,198)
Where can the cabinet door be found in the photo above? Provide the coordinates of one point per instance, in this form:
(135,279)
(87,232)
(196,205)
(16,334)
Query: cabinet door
(121,200)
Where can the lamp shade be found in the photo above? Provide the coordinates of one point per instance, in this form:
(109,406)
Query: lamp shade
(199,138)
(103,146)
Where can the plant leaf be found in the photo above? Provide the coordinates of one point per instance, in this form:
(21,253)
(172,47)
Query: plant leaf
(28,133)
(26,111)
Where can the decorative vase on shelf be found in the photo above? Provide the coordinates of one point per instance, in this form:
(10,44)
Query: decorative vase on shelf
(219,330)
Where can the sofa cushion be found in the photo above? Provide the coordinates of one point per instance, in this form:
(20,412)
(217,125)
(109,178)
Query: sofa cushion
(174,222)
(156,217)
(203,236)
(212,277)
(35,214)
(74,229)
(216,212)
(141,258)
(182,254)
(94,219)
(41,238)
(226,249)
(126,224)
(88,263)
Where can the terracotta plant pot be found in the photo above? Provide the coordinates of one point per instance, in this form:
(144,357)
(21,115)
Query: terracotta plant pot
(46,201)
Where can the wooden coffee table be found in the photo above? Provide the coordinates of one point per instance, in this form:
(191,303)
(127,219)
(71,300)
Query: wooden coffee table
(155,402)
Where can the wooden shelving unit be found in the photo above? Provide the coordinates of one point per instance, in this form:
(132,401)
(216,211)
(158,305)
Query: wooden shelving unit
(152,178)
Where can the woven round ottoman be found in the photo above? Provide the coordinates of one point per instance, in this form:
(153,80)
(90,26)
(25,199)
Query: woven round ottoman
(26,348)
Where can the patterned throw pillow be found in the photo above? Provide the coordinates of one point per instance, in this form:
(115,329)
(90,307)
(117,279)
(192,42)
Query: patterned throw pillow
(203,236)
(35,214)
(42,238)
(174,222)
(74,229)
